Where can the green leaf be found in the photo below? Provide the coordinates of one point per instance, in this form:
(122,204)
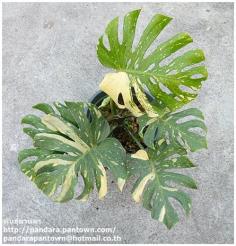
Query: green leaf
(105,102)
(44,107)
(172,85)
(156,184)
(67,143)
(169,128)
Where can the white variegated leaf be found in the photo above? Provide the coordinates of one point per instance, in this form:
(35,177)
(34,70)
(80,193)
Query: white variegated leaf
(172,85)
(69,140)
(175,128)
(155,184)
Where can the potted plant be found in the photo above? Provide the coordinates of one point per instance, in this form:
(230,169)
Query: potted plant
(131,128)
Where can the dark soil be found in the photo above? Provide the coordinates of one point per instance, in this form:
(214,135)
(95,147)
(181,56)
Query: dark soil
(124,137)
(123,123)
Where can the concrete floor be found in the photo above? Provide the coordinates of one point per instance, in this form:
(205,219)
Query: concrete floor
(49,54)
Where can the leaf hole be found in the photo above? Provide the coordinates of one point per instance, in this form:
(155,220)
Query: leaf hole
(153,81)
(65,136)
(135,100)
(120,99)
(138,32)
(186,89)
(173,72)
(120,30)
(144,130)
(164,89)
(106,42)
(31,158)
(188,68)
(151,67)
(197,76)
(185,119)
(155,134)
(176,204)
(197,130)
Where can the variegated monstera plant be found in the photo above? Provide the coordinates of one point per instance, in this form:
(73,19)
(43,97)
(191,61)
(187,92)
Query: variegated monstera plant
(75,139)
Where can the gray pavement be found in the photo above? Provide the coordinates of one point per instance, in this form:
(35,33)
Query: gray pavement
(49,54)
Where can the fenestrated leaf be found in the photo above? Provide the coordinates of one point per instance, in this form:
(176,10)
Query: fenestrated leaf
(70,142)
(156,184)
(185,133)
(172,85)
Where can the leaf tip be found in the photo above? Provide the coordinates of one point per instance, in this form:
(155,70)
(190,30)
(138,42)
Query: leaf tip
(120,184)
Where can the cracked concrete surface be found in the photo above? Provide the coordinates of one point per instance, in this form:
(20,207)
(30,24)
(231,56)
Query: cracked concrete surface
(49,54)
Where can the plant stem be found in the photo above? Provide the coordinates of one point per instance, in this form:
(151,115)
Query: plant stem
(134,138)
(112,107)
